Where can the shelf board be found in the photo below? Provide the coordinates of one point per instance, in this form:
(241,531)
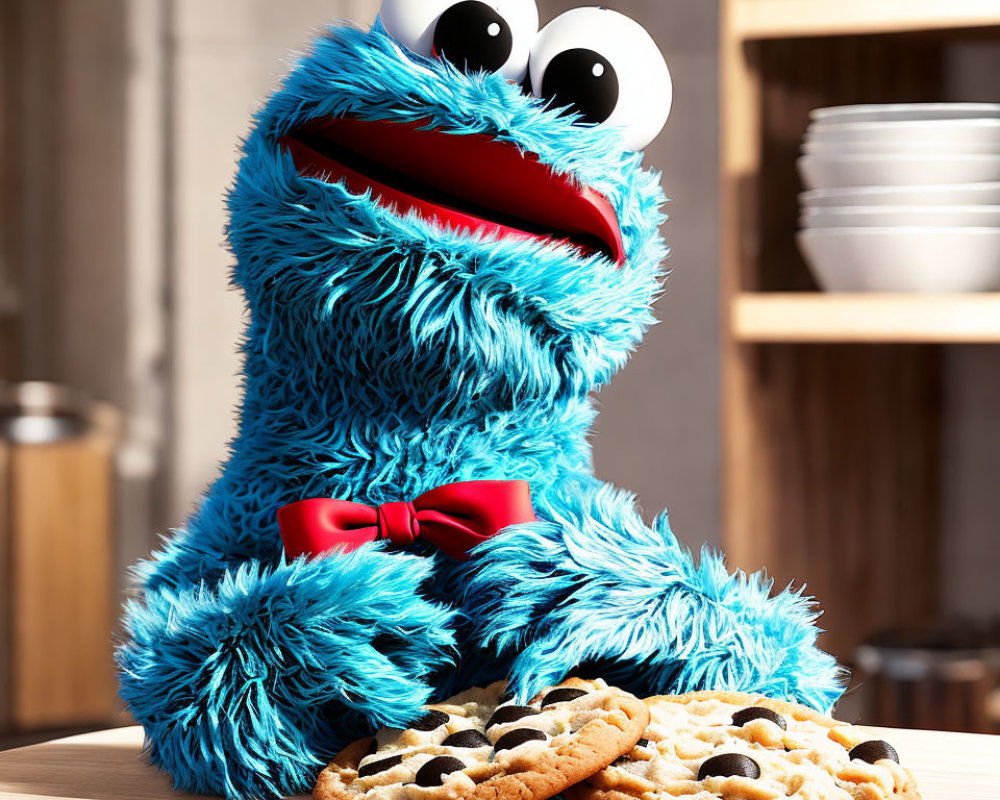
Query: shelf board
(779,19)
(807,317)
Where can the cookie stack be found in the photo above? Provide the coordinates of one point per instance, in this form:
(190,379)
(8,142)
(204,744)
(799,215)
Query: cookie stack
(595,742)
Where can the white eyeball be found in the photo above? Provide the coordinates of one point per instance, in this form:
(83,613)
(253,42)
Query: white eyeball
(494,36)
(605,67)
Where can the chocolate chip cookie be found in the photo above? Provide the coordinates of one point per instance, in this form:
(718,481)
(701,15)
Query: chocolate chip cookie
(482,745)
(728,745)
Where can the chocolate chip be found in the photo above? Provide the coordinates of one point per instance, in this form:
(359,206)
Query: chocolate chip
(375,767)
(642,743)
(875,750)
(741,718)
(429,721)
(513,738)
(561,696)
(373,747)
(506,714)
(729,765)
(432,773)
(466,738)
(506,697)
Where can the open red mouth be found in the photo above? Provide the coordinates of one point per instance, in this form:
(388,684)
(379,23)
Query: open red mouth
(466,182)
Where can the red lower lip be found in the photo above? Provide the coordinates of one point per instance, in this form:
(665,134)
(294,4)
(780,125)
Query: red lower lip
(466,182)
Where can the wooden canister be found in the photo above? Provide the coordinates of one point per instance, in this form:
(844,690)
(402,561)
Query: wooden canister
(58,591)
(944,680)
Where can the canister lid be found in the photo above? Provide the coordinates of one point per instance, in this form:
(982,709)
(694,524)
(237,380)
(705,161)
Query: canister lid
(954,651)
(36,412)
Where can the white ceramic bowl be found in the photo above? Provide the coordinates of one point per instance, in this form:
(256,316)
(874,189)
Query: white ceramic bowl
(906,111)
(930,135)
(824,172)
(904,259)
(965,194)
(904,146)
(902,216)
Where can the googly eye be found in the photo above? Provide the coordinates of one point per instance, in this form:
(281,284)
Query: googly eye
(607,69)
(475,36)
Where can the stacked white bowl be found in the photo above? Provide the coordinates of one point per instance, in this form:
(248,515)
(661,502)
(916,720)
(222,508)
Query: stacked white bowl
(903,198)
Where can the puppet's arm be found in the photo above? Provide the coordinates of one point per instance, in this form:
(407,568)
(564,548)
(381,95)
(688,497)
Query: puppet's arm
(246,686)
(596,586)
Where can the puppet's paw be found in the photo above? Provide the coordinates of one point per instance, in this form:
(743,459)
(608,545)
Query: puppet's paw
(245,689)
(598,591)
(707,630)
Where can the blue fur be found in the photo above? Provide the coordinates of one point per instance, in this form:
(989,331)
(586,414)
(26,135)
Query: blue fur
(385,357)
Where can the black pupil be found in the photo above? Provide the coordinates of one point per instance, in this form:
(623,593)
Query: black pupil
(473,37)
(583,81)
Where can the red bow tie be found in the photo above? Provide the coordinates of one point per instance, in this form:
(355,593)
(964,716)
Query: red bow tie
(454,518)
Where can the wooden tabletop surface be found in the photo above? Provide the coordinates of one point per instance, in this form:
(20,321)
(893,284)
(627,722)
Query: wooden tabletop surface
(109,766)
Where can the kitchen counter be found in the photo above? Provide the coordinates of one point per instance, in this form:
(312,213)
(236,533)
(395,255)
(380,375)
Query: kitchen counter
(109,765)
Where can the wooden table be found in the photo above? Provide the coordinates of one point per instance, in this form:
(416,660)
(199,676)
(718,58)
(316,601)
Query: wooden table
(109,766)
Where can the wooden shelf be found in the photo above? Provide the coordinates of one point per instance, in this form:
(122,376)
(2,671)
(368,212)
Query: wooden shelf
(776,19)
(912,318)
(832,461)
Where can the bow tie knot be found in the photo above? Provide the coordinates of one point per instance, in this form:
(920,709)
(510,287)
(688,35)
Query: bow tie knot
(398,523)
(453,518)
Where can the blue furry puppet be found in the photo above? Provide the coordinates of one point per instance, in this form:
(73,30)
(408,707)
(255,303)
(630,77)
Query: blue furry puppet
(447,242)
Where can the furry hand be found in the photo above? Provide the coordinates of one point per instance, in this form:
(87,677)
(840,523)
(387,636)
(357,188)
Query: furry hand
(596,588)
(241,688)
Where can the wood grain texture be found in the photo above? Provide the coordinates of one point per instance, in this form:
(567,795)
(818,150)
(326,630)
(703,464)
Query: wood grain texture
(11,204)
(6,640)
(762,19)
(110,766)
(831,452)
(843,467)
(740,112)
(101,766)
(63,589)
